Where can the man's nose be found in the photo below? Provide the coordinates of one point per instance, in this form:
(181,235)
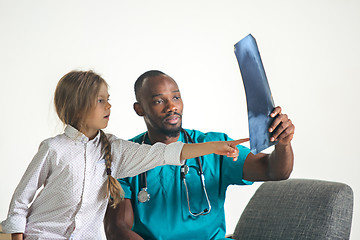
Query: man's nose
(171,107)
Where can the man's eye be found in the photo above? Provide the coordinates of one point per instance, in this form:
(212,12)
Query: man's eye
(177,98)
(159,101)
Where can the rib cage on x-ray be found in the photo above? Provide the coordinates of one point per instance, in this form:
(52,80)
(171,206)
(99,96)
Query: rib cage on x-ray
(258,95)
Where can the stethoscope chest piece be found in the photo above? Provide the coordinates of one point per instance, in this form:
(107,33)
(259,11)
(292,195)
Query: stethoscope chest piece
(143,195)
(184,170)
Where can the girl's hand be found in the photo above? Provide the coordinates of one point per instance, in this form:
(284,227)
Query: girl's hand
(229,148)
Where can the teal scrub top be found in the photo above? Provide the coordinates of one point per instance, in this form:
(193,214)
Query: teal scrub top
(166,215)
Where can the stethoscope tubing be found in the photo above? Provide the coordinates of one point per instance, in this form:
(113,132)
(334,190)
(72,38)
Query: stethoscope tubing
(183,171)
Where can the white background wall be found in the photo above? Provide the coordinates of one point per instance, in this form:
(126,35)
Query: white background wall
(310,50)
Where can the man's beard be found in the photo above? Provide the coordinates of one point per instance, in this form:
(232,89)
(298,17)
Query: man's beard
(171,132)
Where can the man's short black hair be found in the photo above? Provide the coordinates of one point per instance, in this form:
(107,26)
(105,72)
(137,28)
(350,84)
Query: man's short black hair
(140,80)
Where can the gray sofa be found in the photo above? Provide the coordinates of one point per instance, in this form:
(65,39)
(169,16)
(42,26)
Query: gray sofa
(297,209)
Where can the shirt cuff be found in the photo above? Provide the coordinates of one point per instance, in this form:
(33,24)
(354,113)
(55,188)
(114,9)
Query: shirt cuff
(173,152)
(14,225)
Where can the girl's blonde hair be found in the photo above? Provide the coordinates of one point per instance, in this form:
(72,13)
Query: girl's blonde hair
(75,96)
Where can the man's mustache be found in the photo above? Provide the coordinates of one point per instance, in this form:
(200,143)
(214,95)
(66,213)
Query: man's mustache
(171,114)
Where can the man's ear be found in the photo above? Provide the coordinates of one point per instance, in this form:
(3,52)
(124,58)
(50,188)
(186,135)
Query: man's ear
(138,109)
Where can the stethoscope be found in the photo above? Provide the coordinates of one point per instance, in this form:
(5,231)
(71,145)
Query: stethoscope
(144,196)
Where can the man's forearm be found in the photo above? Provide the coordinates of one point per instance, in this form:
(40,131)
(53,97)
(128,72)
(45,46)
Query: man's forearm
(123,234)
(120,231)
(281,162)
(118,222)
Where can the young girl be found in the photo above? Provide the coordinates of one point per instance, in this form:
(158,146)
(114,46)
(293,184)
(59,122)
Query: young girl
(77,168)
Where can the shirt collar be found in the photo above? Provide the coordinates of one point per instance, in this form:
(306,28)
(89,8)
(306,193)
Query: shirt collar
(78,136)
(145,137)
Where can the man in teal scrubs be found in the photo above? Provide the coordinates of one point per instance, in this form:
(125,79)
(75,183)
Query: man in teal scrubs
(182,206)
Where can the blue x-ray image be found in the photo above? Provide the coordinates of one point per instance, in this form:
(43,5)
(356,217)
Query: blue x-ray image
(260,102)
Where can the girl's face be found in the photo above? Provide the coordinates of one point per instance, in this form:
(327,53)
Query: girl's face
(98,117)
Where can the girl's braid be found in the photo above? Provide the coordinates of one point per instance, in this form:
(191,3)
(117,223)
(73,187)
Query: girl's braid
(113,186)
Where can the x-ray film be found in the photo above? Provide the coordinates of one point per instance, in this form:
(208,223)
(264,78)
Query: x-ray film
(258,95)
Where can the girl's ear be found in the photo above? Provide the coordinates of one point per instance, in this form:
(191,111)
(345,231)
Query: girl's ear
(138,109)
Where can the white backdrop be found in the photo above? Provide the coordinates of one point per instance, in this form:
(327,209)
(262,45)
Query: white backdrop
(310,50)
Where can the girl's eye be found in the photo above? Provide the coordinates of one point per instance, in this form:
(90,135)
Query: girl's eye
(103,100)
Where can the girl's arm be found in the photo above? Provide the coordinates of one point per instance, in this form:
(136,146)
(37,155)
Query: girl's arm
(17,236)
(227,148)
(131,159)
(33,178)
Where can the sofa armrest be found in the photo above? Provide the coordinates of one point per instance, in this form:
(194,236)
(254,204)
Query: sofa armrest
(297,209)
